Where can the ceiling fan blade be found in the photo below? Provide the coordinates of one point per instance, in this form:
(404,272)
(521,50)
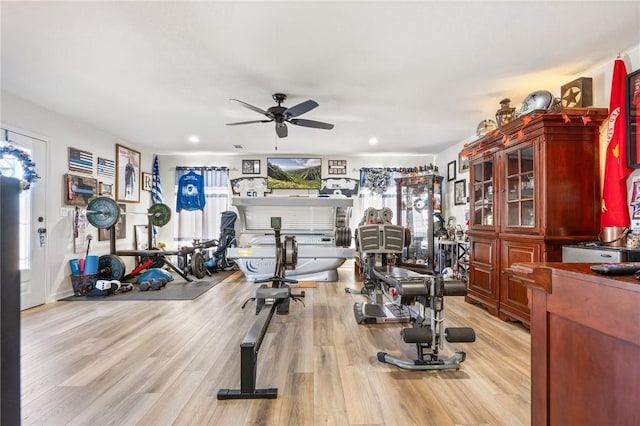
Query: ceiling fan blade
(300,109)
(281,130)
(311,123)
(251,107)
(249,122)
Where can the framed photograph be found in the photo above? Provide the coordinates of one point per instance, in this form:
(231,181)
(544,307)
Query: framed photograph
(147,181)
(633,119)
(635,199)
(127,174)
(451,170)
(460,192)
(463,163)
(105,189)
(141,237)
(337,167)
(251,167)
(79,190)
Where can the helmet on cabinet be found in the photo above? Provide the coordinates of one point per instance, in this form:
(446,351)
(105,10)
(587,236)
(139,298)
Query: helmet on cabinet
(540,99)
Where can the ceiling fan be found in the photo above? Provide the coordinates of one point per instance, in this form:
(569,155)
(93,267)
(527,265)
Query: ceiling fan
(282,115)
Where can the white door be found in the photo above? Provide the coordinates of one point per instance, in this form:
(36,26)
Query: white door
(34,276)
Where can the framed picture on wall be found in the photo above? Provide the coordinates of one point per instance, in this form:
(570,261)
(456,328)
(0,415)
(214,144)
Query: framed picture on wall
(460,192)
(147,181)
(451,170)
(105,189)
(633,119)
(127,174)
(251,167)
(463,163)
(79,190)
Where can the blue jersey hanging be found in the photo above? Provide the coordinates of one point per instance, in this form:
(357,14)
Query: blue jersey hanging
(190,192)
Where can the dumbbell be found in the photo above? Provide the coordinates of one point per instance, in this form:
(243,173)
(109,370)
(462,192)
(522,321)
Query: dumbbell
(152,284)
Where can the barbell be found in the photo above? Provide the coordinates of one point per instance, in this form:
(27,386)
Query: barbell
(103,213)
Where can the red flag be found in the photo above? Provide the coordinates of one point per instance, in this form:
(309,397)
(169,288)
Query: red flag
(615,209)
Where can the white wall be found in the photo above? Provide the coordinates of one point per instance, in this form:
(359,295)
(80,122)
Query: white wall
(61,133)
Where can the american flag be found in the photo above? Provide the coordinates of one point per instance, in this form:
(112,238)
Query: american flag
(80,161)
(106,167)
(156,188)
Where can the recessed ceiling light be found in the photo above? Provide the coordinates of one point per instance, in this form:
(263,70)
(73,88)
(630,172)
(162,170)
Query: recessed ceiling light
(373,141)
(194,139)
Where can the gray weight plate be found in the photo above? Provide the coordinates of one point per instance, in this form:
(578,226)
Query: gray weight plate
(103,212)
(160,214)
(111,266)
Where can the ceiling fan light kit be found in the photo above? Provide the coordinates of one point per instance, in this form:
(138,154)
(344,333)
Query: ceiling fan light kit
(282,115)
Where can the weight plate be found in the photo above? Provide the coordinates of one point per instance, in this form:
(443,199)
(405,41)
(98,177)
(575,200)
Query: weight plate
(103,212)
(197,265)
(160,214)
(111,266)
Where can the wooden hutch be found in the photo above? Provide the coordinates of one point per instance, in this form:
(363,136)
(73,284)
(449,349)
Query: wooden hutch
(534,187)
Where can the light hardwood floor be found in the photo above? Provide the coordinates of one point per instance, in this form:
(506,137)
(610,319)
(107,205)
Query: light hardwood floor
(163,362)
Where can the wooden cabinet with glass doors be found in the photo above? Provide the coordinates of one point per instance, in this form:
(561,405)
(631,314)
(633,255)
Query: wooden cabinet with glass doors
(482,283)
(416,213)
(536,187)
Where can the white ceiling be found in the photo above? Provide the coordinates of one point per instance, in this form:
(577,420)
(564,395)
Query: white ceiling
(419,76)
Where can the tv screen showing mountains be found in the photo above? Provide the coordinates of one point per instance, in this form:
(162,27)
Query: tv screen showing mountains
(293,173)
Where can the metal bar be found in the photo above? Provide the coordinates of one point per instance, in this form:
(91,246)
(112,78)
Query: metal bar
(249,361)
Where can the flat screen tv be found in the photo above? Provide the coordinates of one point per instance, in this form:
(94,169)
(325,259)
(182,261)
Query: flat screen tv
(293,173)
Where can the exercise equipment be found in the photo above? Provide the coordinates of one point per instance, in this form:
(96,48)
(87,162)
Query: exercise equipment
(103,213)
(319,225)
(152,284)
(269,300)
(191,258)
(418,297)
(111,267)
(377,243)
(425,294)
(218,259)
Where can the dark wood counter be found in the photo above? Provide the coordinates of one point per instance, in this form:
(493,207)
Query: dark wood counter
(585,344)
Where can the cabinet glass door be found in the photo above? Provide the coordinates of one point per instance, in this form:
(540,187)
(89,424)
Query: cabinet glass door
(482,193)
(414,213)
(520,188)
